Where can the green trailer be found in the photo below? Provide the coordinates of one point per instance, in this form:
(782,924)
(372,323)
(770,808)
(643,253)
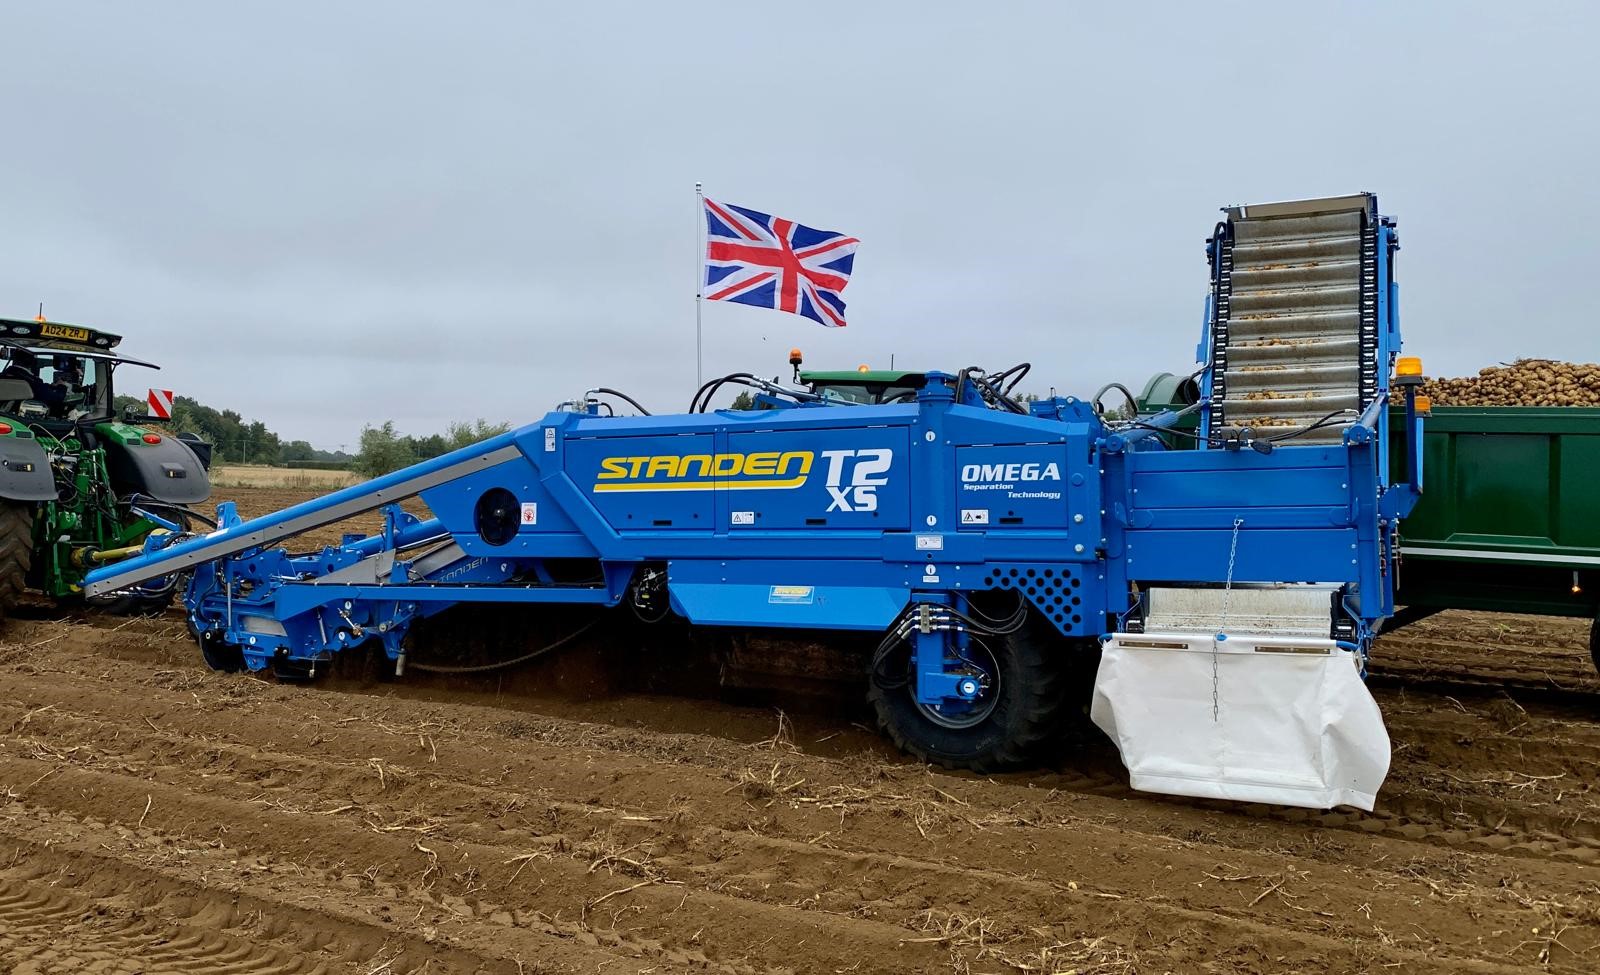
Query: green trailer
(1509,519)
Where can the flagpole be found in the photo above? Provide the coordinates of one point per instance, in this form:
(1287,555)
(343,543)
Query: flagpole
(699,286)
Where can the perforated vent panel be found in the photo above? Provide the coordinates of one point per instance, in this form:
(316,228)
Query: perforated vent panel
(1055,590)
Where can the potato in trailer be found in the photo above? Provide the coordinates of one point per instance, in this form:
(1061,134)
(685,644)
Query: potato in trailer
(989,544)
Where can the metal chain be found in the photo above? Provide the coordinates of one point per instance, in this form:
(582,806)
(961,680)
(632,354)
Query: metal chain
(1222,625)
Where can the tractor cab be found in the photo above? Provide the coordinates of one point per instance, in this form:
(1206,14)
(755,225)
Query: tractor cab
(864,386)
(57,376)
(971,386)
(55,389)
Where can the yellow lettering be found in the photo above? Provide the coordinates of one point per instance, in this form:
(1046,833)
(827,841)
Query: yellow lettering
(803,456)
(690,467)
(665,464)
(764,464)
(689,460)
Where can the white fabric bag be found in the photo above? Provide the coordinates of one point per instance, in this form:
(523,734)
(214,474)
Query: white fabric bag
(1292,723)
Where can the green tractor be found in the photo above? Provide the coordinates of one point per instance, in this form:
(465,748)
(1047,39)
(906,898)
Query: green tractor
(79,485)
(1164,391)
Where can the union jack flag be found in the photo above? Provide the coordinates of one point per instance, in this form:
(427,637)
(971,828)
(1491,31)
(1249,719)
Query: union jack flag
(757,259)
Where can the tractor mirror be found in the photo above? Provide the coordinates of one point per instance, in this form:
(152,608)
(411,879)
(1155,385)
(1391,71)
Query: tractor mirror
(13,390)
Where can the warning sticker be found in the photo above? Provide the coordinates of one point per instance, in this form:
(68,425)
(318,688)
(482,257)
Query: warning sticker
(530,512)
(974,516)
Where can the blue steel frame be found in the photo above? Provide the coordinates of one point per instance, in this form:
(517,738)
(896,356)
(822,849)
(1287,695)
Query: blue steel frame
(930,501)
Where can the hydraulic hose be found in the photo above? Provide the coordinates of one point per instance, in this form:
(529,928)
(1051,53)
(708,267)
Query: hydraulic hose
(702,397)
(608,391)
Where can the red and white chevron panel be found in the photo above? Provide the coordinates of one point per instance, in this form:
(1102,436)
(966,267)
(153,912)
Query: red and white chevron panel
(161,404)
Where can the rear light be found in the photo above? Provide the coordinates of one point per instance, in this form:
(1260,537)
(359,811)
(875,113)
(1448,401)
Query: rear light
(5,428)
(152,438)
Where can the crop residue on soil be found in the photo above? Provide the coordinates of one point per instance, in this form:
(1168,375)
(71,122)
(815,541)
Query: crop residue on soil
(156,817)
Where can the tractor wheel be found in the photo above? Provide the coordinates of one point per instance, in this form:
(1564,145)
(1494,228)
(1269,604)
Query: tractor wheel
(16,552)
(1008,726)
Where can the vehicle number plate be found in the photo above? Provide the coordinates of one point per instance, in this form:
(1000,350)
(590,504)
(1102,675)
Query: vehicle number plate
(64,332)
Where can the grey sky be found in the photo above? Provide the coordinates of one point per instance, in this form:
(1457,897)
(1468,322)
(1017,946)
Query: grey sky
(324,215)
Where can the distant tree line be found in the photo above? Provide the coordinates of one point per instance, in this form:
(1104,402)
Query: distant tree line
(385,449)
(235,440)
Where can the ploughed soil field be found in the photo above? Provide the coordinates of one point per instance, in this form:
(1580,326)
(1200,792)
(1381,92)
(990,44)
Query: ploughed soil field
(570,816)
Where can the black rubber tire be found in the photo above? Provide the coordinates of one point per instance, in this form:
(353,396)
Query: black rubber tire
(1026,717)
(220,656)
(16,552)
(225,657)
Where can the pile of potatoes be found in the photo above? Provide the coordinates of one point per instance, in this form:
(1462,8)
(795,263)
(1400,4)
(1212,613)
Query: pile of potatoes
(1525,382)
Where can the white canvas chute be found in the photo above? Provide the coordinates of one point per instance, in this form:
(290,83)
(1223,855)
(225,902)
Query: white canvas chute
(1266,718)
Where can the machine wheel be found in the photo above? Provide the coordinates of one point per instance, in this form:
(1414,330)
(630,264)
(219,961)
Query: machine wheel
(220,655)
(16,552)
(1008,728)
(217,654)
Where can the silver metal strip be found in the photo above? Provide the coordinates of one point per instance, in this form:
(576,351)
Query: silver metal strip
(374,570)
(370,571)
(1502,556)
(436,560)
(228,544)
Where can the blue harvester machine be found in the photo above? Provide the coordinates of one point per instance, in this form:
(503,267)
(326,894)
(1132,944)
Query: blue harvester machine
(1224,597)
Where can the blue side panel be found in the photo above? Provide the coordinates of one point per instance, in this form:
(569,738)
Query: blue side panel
(1297,514)
(789,594)
(852,480)
(651,483)
(1013,487)
(1264,555)
(544,528)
